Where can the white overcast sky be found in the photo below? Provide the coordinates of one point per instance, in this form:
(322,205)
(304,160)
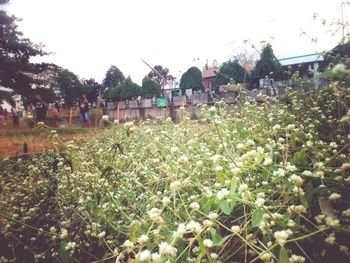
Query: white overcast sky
(87,36)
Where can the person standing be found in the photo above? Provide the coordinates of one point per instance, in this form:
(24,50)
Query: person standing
(84,111)
(55,114)
(40,109)
(14,115)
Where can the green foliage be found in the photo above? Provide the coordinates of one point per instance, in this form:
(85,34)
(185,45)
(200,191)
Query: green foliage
(164,72)
(91,88)
(16,70)
(113,77)
(230,71)
(149,88)
(69,86)
(267,66)
(204,190)
(125,90)
(191,79)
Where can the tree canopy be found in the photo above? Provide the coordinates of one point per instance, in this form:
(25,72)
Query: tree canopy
(69,86)
(267,66)
(149,88)
(191,79)
(162,71)
(91,88)
(125,90)
(113,77)
(16,70)
(230,71)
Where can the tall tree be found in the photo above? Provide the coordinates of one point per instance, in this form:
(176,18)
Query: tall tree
(267,66)
(16,70)
(113,78)
(91,88)
(162,71)
(125,90)
(149,88)
(69,86)
(230,71)
(191,79)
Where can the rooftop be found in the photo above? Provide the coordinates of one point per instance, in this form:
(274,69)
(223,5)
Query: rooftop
(301,59)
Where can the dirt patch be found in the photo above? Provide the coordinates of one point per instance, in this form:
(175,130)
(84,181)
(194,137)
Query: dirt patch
(13,144)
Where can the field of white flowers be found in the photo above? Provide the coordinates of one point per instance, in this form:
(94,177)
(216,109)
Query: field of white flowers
(261,183)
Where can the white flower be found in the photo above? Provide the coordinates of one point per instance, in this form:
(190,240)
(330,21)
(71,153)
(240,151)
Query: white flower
(165,200)
(282,236)
(207,223)
(64,233)
(213,216)
(194,226)
(142,239)
(181,230)
(218,168)
(236,171)
(267,161)
(199,163)
(297,180)
(346,212)
(280,172)
(222,193)
(242,188)
(266,257)
(330,239)
(102,234)
(128,245)
(144,255)
(70,246)
(175,185)
(214,255)
(332,222)
(207,243)
(276,127)
(174,149)
(296,259)
(105,118)
(154,215)
(195,206)
(183,159)
(167,250)
(334,196)
(156,257)
(235,229)
(260,202)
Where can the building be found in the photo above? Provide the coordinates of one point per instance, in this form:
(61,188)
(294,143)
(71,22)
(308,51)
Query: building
(307,65)
(209,75)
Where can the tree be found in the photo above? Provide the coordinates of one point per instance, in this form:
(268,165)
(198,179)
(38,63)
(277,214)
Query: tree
(125,90)
(16,70)
(267,66)
(162,71)
(191,79)
(69,86)
(230,71)
(113,78)
(92,89)
(149,88)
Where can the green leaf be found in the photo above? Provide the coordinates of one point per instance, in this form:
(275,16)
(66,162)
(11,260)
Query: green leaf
(283,257)
(140,138)
(309,192)
(257,217)
(225,208)
(217,239)
(300,160)
(233,185)
(64,255)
